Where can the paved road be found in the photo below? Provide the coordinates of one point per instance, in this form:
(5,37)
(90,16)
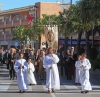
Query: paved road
(8,88)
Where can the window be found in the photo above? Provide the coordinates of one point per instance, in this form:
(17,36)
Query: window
(2,20)
(25,17)
(10,19)
(17,18)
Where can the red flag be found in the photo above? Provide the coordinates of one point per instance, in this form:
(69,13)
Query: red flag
(30,18)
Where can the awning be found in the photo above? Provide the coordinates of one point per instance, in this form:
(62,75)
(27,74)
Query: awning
(74,42)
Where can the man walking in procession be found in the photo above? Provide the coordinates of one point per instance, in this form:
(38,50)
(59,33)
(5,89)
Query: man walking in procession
(20,68)
(52,75)
(84,74)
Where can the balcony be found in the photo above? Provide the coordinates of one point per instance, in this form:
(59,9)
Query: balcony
(9,37)
(1,37)
(16,23)
(1,24)
(24,22)
(8,23)
(13,23)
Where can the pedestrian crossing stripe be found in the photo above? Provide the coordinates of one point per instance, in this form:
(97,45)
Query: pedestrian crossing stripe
(77,93)
(29,88)
(45,89)
(4,86)
(70,86)
(95,88)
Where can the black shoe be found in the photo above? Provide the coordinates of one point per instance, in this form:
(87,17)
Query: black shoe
(11,78)
(79,84)
(75,83)
(86,91)
(20,91)
(82,91)
(24,91)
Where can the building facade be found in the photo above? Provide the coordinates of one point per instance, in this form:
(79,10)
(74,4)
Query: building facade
(10,19)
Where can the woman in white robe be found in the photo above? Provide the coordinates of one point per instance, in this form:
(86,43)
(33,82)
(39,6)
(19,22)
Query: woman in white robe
(30,75)
(77,77)
(52,74)
(20,68)
(85,66)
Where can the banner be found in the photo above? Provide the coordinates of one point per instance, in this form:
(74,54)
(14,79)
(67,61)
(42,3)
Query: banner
(51,35)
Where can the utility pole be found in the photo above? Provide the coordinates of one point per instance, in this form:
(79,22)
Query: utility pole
(71,2)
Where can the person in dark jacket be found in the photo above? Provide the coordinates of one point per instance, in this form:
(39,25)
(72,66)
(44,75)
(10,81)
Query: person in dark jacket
(62,63)
(68,64)
(1,57)
(11,59)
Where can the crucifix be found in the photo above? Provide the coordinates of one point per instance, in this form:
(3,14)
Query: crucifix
(50,21)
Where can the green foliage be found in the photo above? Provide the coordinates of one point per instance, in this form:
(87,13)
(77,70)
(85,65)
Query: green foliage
(19,33)
(38,25)
(29,32)
(95,63)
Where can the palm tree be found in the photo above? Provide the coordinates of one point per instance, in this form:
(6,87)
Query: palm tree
(85,15)
(74,24)
(63,28)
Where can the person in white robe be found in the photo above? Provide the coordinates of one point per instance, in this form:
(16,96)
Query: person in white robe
(52,74)
(77,77)
(30,75)
(20,68)
(85,67)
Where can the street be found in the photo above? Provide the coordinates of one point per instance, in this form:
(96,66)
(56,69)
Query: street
(9,88)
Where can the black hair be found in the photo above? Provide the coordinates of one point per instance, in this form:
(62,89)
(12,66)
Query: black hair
(20,53)
(28,58)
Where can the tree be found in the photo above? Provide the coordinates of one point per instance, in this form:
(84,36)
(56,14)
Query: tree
(19,34)
(89,13)
(63,22)
(75,22)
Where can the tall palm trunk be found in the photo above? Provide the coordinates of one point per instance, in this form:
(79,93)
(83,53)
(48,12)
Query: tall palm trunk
(66,43)
(78,42)
(87,43)
(20,44)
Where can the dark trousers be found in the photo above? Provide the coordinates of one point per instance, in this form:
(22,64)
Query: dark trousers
(12,73)
(63,68)
(69,71)
(1,62)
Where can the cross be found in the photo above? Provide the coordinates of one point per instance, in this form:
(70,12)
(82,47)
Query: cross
(50,21)
(1,6)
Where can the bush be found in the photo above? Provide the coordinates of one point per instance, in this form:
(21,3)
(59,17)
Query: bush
(93,54)
(95,63)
